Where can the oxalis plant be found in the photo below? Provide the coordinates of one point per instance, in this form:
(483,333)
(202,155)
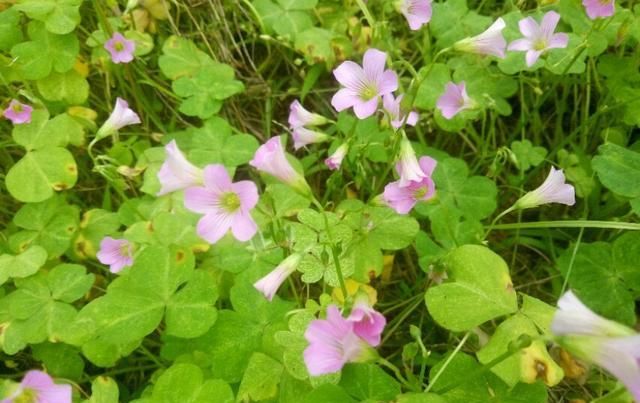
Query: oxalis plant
(319,201)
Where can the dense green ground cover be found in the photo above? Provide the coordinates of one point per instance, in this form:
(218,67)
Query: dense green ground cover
(158,246)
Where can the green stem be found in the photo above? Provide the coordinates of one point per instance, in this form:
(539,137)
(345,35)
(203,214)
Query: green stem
(366,12)
(571,224)
(395,370)
(334,252)
(447,362)
(495,220)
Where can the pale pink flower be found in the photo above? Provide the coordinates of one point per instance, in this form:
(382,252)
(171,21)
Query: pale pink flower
(599,8)
(335,160)
(176,172)
(392,106)
(490,42)
(116,253)
(367,322)
(120,117)
(120,48)
(303,136)
(553,190)
(225,205)
(538,39)
(38,387)
(299,116)
(269,284)
(332,344)
(454,100)
(595,339)
(408,167)
(363,86)
(417,12)
(18,113)
(271,159)
(403,199)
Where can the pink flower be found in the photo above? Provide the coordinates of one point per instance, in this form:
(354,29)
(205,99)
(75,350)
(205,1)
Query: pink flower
(269,284)
(599,8)
(121,48)
(417,12)
(553,190)
(303,136)
(120,117)
(332,343)
(392,107)
(595,339)
(490,42)
(367,322)
(454,100)
(335,160)
(299,116)
(225,205)
(38,387)
(117,253)
(363,86)
(177,173)
(403,199)
(407,166)
(18,113)
(538,39)
(271,159)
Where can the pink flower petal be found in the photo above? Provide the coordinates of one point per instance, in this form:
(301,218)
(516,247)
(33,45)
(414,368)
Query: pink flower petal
(549,22)
(529,27)
(243,227)
(350,75)
(213,226)
(217,178)
(373,63)
(365,109)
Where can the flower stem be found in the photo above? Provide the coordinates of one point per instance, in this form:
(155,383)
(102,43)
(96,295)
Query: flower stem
(334,252)
(447,362)
(571,224)
(495,220)
(366,12)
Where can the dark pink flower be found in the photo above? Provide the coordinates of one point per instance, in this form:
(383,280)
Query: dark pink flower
(335,160)
(121,48)
(367,322)
(269,284)
(403,199)
(363,86)
(599,8)
(117,253)
(176,172)
(38,387)
(538,39)
(454,100)
(392,106)
(18,113)
(490,42)
(417,12)
(332,343)
(226,205)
